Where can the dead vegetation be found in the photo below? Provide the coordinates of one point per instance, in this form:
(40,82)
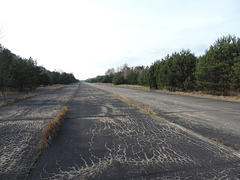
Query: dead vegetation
(52,128)
(58,88)
(24,97)
(8,93)
(146,88)
(218,142)
(139,87)
(6,102)
(231,97)
(144,108)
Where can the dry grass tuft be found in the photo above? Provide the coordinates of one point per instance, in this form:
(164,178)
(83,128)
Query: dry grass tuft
(146,109)
(130,86)
(8,93)
(52,128)
(5,103)
(220,143)
(139,87)
(17,99)
(59,88)
(232,96)
(24,97)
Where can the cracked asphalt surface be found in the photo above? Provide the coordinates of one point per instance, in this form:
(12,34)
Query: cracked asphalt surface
(21,126)
(215,119)
(104,138)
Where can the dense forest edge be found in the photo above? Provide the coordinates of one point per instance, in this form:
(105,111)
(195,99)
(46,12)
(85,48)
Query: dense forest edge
(19,74)
(216,72)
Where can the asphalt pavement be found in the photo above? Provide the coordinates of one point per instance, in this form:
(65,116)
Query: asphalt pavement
(104,138)
(21,126)
(216,119)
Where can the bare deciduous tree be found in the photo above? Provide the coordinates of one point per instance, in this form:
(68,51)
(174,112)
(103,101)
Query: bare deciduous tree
(126,71)
(110,71)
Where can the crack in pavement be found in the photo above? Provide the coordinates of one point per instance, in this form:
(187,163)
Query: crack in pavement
(21,126)
(121,142)
(216,119)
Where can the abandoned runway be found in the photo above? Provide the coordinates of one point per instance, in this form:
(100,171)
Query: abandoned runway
(105,138)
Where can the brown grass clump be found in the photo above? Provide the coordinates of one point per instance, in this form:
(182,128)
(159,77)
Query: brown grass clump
(24,97)
(146,88)
(59,88)
(146,109)
(129,86)
(231,96)
(17,99)
(52,128)
(8,93)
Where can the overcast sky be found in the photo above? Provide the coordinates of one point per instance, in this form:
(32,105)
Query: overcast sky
(87,37)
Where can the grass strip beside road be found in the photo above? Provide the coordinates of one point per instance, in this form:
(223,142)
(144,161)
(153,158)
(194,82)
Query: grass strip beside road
(149,111)
(144,108)
(24,97)
(60,87)
(51,129)
(234,98)
(18,99)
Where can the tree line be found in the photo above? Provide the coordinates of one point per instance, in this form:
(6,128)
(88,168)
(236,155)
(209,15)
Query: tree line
(23,74)
(217,71)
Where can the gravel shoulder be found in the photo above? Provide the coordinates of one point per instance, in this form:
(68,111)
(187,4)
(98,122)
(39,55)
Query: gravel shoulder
(104,138)
(21,126)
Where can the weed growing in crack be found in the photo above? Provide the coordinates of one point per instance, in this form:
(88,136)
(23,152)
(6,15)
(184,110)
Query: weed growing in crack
(146,109)
(24,97)
(6,103)
(61,87)
(52,128)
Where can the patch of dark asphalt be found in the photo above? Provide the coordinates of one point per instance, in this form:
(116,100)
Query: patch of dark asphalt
(105,138)
(21,126)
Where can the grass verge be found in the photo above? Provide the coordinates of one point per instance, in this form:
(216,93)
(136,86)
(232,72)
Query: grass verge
(61,87)
(5,103)
(52,128)
(234,97)
(219,142)
(50,131)
(146,88)
(144,108)
(138,87)
(24,97)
